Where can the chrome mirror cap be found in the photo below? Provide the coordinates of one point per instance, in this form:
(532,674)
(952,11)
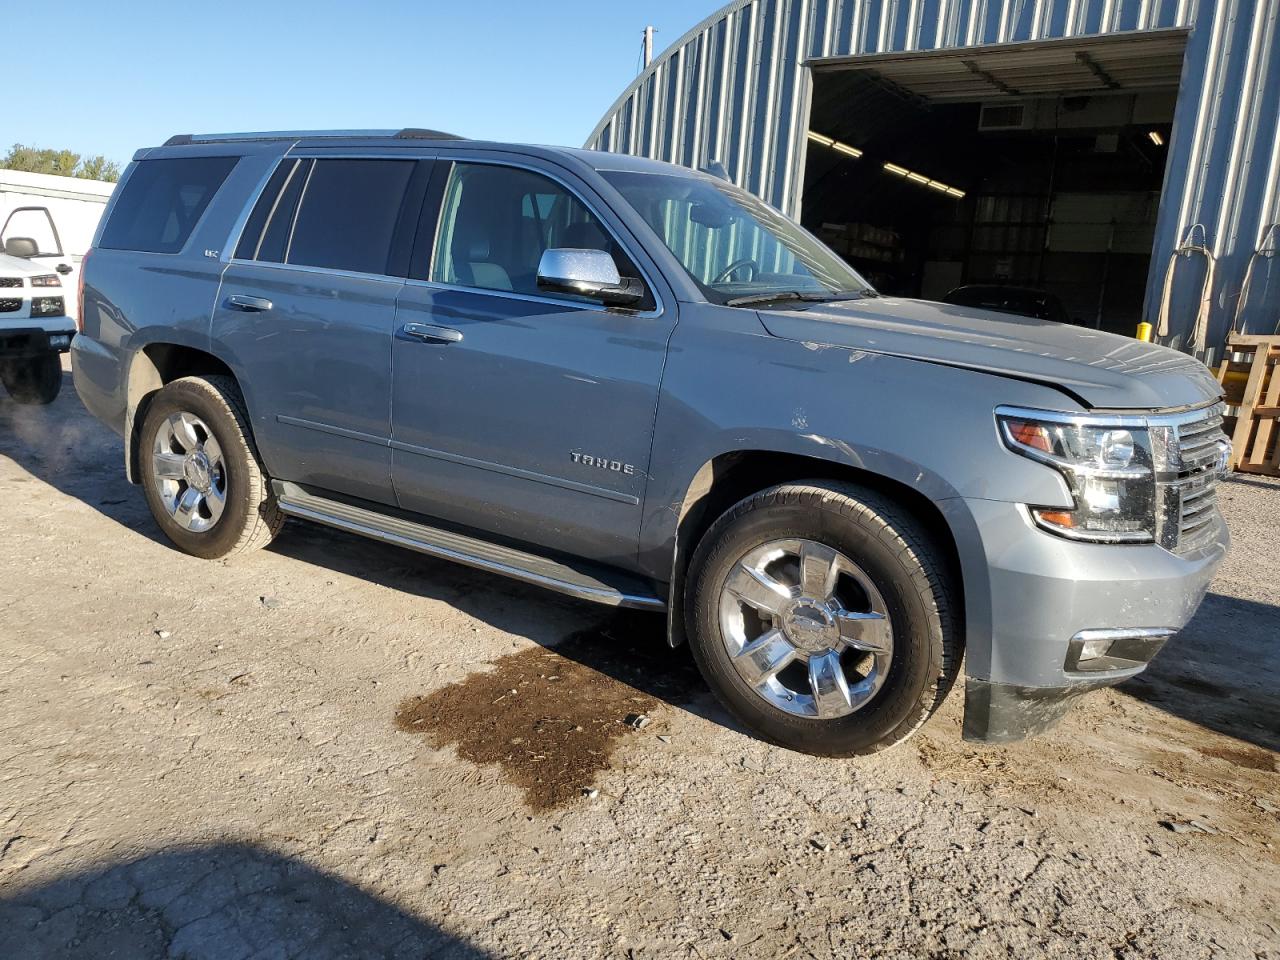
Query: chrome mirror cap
(587,273)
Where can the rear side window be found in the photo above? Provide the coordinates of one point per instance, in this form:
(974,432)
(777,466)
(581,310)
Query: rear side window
(335,214)
(162,202)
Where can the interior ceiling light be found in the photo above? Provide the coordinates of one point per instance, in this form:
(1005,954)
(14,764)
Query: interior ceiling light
(1156,138)
(835,145)
(924,181)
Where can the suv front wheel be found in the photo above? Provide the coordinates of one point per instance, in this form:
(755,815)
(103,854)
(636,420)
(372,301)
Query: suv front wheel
(821,615)
(200,472)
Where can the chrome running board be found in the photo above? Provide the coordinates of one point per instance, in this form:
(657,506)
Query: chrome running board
(586,581)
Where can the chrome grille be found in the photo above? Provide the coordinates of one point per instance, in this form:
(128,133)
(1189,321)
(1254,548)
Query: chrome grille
(10,281)
(1197,459)
(10,304)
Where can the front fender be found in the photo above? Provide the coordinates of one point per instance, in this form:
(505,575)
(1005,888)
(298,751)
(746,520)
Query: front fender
(925,427)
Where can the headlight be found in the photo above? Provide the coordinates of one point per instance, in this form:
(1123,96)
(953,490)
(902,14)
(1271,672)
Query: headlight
(1109,468)
(47,280)
(47,307)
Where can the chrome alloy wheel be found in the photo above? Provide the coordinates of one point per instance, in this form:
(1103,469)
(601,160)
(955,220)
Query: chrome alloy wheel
(189,472)
(806,628)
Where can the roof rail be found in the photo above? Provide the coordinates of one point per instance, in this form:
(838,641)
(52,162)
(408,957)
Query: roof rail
(407,133)
(418,133)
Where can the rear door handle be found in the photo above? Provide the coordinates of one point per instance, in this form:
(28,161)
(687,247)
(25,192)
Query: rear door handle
(249,304)
(429,333)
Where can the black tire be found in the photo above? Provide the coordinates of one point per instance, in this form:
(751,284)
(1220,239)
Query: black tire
(35,381)
(251,517)
(898,556)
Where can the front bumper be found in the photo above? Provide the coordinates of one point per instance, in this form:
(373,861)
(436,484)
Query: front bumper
(21,343)
(1048,596)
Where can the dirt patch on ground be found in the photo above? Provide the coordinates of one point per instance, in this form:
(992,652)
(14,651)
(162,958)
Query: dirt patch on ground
(1252,757)
(553,718)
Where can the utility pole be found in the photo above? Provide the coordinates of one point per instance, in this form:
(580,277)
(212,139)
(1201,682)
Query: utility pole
(648,46)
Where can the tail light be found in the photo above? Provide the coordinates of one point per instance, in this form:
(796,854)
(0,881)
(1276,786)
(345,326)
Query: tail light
(80,293)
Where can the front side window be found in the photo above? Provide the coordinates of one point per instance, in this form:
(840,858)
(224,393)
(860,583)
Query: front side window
(34,224)
(162,201)
(496,222)
(733,244)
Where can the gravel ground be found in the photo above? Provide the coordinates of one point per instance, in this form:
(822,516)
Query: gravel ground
(268,758)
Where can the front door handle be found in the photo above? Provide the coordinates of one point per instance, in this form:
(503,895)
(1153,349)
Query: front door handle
(429,333)
(249,304)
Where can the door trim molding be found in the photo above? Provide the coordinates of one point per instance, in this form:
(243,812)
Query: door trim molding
(590,489)
(587,488)
(334,431)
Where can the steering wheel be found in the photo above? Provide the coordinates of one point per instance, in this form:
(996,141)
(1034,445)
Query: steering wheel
(734,267)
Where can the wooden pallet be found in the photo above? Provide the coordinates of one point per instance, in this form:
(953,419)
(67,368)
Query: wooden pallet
(1252,385)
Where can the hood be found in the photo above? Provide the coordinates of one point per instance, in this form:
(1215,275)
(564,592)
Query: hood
(1101,369)
(17,267)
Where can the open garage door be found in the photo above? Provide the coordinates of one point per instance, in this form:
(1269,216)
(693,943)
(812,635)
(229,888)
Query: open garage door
(1025,177)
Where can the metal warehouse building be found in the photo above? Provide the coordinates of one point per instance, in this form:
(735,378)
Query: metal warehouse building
(1120,154)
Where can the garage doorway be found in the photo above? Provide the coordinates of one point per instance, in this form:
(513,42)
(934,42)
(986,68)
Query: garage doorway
(1031,173)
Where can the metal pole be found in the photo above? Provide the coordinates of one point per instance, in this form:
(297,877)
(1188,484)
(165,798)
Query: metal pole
(648,46)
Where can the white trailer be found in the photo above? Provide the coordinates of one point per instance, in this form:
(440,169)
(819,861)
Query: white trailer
(50,221)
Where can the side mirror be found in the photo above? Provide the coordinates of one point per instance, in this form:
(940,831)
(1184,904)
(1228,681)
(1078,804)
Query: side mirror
(23,247)
(587,273)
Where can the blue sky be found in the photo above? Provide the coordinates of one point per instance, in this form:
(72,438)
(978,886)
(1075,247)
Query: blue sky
(130,74)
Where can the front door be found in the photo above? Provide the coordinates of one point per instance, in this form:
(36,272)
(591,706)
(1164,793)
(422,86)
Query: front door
(526,415)
(306,313)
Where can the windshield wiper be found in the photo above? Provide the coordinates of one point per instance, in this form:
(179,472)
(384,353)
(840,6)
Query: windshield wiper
(754,299)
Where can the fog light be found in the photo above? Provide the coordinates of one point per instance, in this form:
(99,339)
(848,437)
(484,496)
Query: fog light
(1093,649)
(1110,650)
(60,341)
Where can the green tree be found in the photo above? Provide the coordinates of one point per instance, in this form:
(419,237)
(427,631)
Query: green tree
(61,163)
(98,168)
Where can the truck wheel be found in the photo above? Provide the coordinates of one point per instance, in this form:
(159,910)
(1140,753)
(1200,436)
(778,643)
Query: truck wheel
(33,381)
(200,470)
(821,615)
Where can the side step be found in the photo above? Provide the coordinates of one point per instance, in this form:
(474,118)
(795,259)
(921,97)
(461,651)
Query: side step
(586,581)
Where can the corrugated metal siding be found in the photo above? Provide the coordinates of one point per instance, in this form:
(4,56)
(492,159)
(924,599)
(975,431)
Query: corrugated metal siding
(735,89)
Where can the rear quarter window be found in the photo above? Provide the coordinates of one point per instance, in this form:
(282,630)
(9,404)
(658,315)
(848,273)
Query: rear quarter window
(162,202)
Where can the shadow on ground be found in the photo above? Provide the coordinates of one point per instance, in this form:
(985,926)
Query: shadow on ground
(627,646)
(221,902)
(1221,671)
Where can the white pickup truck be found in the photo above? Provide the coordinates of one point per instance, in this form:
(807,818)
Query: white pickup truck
(46,226)
(34,328)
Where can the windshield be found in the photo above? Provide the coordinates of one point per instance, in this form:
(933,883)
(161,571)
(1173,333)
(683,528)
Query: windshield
(732,244)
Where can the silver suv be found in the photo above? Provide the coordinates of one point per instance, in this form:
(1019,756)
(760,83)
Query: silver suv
(639,385)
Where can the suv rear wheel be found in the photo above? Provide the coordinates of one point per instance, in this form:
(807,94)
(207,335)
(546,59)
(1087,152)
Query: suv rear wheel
(37,380)
(821,615)
(200,471)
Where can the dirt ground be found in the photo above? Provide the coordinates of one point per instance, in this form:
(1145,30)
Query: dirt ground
(282,757)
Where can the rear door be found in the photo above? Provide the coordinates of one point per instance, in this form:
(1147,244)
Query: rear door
(521,413)
(306,311)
